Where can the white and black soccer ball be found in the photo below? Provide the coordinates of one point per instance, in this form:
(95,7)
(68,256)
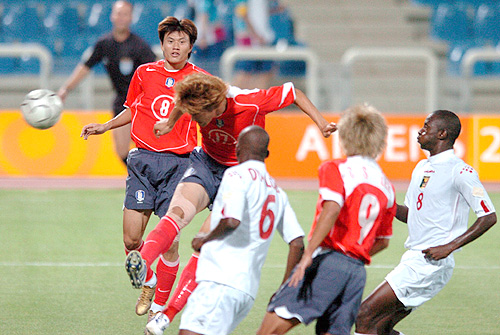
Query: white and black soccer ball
(41,108)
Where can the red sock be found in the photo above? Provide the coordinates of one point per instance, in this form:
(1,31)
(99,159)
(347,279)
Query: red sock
(166,272)
(159,240)
(184,288)
(138,249)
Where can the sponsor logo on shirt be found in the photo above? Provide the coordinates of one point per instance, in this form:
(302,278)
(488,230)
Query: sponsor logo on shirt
(170,82)
(219,123)
(140,195)
(424,182)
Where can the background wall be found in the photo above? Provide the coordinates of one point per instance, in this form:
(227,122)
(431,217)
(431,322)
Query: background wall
(297,148)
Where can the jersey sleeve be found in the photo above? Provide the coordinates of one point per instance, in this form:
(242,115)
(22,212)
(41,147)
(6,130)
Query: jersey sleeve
(467,182)
(270,100)
(331,185)
(233,191)
(289,227)
(134,89)
(96,55)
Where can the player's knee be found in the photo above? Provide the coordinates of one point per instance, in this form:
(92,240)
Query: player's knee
(183,211)
(131,242)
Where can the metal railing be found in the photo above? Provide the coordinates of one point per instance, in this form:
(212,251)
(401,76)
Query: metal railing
(20,50)
(470,58)
(353,55)
(234,54)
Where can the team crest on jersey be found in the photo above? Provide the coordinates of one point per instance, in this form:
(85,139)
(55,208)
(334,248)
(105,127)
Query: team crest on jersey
(140,195)
(170,82)
(424,182)
(219,123)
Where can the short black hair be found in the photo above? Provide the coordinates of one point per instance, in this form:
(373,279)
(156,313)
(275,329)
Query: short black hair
(449,121)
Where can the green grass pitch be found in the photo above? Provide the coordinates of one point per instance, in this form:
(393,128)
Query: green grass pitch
(61,270)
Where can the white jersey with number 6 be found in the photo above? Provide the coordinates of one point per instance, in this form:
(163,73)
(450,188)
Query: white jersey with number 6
(441,191)
(249,194)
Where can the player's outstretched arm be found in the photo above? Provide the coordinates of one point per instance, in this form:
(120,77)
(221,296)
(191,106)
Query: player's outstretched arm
(303,102)
(326,220)
(479,227)
(100,128)
(225,227)
(165,126)
(80,72)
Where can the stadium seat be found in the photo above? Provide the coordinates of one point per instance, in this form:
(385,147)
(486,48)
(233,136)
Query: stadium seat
(97,21)
(147,15)
(65,24)
(487,24)
(455,57)
(451,23)
(23,23)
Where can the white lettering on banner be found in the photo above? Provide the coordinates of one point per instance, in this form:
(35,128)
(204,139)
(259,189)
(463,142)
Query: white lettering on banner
(491,154)
(395,141)
(312,141)
(402,145)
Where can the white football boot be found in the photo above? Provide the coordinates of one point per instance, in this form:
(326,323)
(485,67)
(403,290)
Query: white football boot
(158,325)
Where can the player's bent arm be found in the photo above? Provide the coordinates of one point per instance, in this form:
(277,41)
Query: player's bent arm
(325,223)
(165,126)
(479,227)
(303,102)
(225,227)
(80,72)
(379,245)
(97,128)
(295,252)
(402,213)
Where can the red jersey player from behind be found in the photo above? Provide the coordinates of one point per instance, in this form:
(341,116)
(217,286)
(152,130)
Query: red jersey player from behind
(353,222)
(222,112)
(157,164)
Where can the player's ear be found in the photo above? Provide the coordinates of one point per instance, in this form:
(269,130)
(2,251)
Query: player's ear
(442,134)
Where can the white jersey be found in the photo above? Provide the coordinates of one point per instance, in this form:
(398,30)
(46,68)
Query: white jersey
(249,194)
(441,191)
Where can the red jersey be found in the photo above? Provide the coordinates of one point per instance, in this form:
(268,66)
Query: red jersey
(367,202)
(244,108)
(151,98)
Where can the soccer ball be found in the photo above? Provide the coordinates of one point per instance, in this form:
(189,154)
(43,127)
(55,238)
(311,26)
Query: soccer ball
(41,108)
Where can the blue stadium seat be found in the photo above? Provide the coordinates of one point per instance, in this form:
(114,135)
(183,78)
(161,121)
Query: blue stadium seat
(65,24)
(455,57)
(451,23)
(97,21)
(23,23)
(487,24)
(147,15)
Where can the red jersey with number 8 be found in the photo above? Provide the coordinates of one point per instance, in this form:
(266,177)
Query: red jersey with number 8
(151,98)
(367,202)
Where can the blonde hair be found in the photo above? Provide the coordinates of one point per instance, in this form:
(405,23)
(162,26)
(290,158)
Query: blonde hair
(362,131)
(199,92)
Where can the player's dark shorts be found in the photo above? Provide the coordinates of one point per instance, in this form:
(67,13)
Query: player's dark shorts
(330,292)
(204,170)
(152,179)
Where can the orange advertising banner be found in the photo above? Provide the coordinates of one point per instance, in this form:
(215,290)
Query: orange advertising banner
(296,149)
